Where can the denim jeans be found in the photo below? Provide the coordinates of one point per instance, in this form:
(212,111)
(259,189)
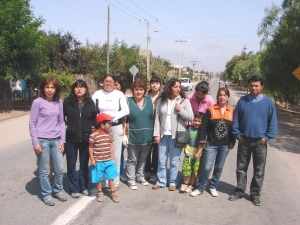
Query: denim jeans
(167,148)
(259,154)
(214,155)
(50,149)
(77,183)
(136,160)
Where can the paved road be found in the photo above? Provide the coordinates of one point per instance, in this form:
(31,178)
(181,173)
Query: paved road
(21,203)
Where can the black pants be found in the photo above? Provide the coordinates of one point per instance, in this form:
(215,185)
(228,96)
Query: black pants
(258,151)
(152,160)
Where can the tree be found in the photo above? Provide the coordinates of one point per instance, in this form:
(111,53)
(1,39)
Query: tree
(22,53)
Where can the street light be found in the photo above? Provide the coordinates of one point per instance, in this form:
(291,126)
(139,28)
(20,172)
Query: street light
(148,53)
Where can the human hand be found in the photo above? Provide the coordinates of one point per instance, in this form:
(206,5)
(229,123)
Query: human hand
(37,149)
(125,141)
(93,163)
(240,139)
(263,140)
(178,107)
(196,155)
(157,139)
(93,129)
(231,146)
(61,147)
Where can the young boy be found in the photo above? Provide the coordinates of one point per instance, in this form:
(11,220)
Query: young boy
(191,161)
(101,155)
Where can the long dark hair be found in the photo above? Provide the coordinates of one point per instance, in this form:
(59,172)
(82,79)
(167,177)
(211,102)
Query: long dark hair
(167,92)
(55,83)
(122,81)
(72,97)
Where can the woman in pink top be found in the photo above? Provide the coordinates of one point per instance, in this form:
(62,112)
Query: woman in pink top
(200,99)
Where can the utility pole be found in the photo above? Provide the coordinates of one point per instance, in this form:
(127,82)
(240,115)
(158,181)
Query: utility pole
(148,48)
(194,62)
(180,41)
(107,56)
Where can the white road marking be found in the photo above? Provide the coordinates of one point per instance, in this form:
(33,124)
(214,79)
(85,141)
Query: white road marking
(71,214)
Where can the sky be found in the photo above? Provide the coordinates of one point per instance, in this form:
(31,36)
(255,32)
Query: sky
(209,32)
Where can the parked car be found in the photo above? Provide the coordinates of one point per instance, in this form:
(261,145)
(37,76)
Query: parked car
(186,84)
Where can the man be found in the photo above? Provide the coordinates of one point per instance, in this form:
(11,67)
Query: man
(254,124)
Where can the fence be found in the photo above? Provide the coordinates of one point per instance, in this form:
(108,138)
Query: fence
(20,99)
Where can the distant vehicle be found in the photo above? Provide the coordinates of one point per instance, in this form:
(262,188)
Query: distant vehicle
(186,84)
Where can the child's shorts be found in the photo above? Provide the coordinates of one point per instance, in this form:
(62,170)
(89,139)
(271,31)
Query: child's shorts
(108,168)
(190,166)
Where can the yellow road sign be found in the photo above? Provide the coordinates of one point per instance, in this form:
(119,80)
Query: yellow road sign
(296,73)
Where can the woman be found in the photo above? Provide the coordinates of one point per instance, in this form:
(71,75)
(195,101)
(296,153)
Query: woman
(80,117)
(140,133)
(215,134)
(47,131)
(152,158)
(200,99)
(172,110)
(113,102)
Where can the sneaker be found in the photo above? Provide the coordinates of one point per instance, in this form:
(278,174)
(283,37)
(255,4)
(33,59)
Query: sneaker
(85,192)
(132,186)
(61,197)
(196,193)
(115,198)
(156,186)
(172,188)
(213,192)
(75,195)
(153,178)
(143,182)
(235,197)
(189,189)
(49,201)
(100,196)
(183,187)
(123,178)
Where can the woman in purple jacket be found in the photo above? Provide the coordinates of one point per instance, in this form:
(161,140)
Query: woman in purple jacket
(47,131)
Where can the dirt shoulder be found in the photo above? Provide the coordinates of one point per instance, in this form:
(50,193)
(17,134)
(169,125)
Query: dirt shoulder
(12,114)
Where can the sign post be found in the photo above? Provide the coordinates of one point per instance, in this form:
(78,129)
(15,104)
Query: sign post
(296,73)
(133,70)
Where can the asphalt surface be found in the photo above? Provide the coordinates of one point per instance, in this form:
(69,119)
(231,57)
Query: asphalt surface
(21,203)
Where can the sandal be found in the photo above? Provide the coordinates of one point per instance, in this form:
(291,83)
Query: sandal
(100,196)
(115,198)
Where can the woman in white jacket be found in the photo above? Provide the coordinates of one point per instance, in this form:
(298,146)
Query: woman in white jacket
(172,108)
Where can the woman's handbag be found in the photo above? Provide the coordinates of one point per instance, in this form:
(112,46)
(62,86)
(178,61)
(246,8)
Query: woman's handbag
(182,137)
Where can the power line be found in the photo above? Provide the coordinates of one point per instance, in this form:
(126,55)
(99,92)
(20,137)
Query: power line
(79,10)
(142,10)
(122,10)
(129,9)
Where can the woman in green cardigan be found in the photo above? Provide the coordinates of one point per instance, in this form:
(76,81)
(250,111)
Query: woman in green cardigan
(140,133)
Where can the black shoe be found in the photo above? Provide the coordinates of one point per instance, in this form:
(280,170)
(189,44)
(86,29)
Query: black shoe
(235,197)
(256,202)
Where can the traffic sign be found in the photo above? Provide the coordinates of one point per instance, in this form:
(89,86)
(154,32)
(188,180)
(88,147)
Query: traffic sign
(296,73)
(133,70)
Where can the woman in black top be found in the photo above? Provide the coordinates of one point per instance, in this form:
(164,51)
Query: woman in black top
(80,117)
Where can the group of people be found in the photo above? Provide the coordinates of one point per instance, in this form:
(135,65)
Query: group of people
(101,127)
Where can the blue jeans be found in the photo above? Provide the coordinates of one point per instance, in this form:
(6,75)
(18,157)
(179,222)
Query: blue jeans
(50,149)
(167,148)
(214,154)
(72,148)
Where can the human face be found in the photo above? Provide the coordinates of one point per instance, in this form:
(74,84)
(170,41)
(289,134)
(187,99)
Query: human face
(49,90)
(109,84)
(155,86)
(222,98)
(255,88)
(138,93)
(200,96)
(106,126)
(197,122)
(79,91)
(118,86)
(176,89)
